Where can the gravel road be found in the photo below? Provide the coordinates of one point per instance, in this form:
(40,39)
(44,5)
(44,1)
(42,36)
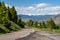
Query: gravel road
(30,34)
(17,34)
(39,35)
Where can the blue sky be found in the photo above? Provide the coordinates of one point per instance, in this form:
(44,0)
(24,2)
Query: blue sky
(35,7)
(30,2)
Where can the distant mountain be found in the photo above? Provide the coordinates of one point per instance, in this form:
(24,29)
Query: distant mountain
(36,17)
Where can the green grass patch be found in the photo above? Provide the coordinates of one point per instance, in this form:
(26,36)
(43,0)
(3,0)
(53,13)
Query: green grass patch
(3,29)
(56,30)
(47,29)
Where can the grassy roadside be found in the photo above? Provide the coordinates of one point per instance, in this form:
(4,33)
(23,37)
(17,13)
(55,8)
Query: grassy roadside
(47,29)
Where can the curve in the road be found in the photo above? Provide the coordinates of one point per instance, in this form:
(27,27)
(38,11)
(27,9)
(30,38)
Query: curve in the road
(35,36)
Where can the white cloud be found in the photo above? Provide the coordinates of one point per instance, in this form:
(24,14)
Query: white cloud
(30,7)
(41,5)
(39,9)
(52,10)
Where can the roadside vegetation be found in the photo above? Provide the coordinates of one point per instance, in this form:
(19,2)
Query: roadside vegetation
(44,25)
(9,20)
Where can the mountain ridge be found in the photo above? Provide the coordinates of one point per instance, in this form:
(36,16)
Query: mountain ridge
(36,17)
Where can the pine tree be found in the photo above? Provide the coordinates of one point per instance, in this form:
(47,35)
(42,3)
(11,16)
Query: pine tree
(30,23)
(0,4)
(3,6)
(20,23)
(9,14)
(51,24)
(43,24)
(36,24)
(13,14)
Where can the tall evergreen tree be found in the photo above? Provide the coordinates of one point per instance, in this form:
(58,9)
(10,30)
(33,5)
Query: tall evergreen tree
(30,23)
(36,24)
(13,14)
(3,6)
(51,24)
(44,25)
(0,4)
(9,13)
(20,23)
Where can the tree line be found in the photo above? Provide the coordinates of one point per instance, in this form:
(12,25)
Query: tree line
(7,17)
(50,24)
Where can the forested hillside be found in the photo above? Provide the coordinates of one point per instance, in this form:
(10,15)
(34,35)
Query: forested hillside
(9,20)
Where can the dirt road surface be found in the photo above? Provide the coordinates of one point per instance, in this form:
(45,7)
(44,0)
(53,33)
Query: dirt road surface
(15,35)
(30,34)
(40,35)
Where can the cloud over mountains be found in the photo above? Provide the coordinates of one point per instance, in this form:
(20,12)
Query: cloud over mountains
(39,9)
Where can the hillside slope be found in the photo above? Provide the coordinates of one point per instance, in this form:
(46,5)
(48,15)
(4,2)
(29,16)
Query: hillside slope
(57,19)
(9,20)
